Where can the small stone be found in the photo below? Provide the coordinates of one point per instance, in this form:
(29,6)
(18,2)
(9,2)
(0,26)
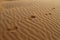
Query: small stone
(53,8)
(8,29)
(32,16)
(50,14)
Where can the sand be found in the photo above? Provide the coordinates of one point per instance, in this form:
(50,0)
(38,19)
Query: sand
(30,20)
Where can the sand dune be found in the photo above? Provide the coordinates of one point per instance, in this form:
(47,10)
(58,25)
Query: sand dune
(30,20)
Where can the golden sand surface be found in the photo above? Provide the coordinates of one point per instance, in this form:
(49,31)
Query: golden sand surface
(30,20)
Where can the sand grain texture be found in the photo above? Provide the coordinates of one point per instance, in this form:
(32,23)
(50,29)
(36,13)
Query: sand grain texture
(30,20)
